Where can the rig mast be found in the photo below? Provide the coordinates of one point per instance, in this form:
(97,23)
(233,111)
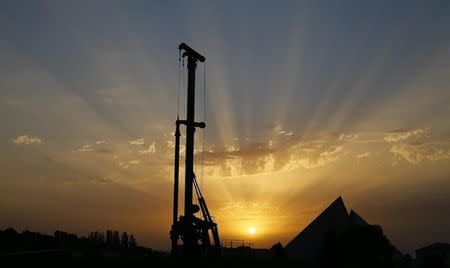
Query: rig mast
(193,231)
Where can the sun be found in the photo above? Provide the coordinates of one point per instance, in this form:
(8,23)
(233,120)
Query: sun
(252,230)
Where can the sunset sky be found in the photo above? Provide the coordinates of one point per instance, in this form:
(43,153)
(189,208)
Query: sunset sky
(305,101)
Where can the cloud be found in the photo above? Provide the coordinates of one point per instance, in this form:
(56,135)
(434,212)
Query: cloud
(137,142)
(363,155)
(348,137)
(25,139)
(233,207)
(129,163)
(276,127)
(415,146)
(100,142)
(399,135)
(150,150)
(103,180)
(292,152)
(231,148)
(416,153)
(285,133)
(85,148)
(104,151)
(315,157)
(89,148)
(266,157)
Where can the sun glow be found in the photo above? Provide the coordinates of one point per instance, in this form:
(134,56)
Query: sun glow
(252,230)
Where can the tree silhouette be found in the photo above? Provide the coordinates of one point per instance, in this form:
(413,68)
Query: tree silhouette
(133,243)
(109,238)
(10,239)
(98,238)
(124,240)
(277,249)
(116,239)
(32,242)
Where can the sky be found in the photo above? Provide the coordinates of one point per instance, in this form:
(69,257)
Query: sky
(304,101)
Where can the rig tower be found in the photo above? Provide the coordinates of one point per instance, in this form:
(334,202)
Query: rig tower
(193,231)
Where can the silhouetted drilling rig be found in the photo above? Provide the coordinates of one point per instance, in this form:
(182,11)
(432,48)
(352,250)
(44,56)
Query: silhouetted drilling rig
(194,232)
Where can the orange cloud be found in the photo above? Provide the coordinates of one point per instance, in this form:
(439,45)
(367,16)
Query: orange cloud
(25,139)
(398,135)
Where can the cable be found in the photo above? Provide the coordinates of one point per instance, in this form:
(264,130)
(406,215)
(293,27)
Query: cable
(179,81)
(184,92)
(204,129)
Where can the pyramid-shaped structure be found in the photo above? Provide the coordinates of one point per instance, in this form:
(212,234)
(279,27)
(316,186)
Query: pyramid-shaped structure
(355,219)
(309,243)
